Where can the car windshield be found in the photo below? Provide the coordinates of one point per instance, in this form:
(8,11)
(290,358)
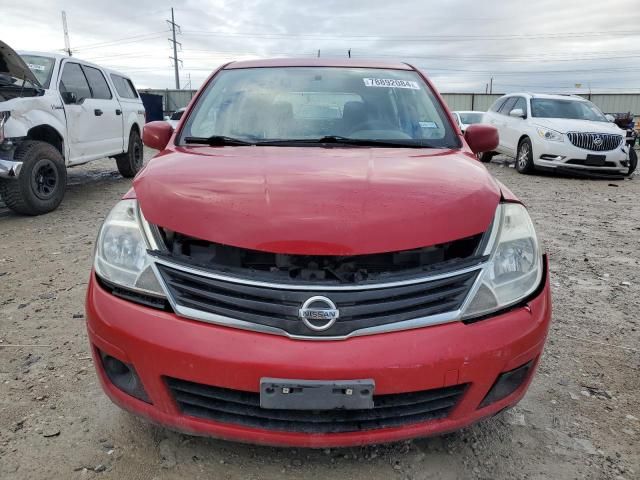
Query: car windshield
(572,109)
(470,118)
(41,67)
(299,104)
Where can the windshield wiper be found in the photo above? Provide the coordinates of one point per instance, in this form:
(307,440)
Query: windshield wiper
(338,139)
(218,141)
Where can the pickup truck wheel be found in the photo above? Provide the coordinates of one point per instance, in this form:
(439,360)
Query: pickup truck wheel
(131,162)
(524,158)
(486,157)
(42,182)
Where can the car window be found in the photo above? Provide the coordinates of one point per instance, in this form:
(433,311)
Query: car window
(177,115)
(470,118)
(508,105)
(571,109)
(73,80)
(521,103)
(299,103)
(98,84)
(41,67)
(497,104)
(124,86)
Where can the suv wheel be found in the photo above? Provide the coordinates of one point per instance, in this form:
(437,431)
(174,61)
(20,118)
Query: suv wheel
(42,182)
(486,157)
(524,158)
(131,162)
(633,161)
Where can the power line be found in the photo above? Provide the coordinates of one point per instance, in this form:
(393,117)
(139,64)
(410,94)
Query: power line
(122,41)
(420,38)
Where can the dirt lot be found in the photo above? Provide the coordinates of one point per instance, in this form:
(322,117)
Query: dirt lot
(580,419)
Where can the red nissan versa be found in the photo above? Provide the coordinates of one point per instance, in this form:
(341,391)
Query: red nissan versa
(316,258)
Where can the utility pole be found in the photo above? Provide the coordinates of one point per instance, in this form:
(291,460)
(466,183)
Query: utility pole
(318,53)
(349,53)
(67,45)
(175,48)
(491,85)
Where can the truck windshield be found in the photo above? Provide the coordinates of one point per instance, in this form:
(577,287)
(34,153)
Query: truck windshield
(299,104)
(42,67)
(572,109)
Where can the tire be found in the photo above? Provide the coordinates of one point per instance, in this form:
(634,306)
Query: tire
(486,157)
(131,162)
(42,181)
(633,161)
(524,158)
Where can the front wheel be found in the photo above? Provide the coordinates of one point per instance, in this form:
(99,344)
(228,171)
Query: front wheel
(633,161)
(524,158)
(131,162)
(42,181)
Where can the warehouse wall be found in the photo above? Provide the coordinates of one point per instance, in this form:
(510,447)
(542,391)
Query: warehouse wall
(608,103)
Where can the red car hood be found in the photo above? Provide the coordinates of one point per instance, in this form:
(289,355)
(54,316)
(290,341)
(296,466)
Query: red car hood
(318,201)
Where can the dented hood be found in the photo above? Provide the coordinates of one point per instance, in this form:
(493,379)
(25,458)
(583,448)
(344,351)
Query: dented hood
(11,63)
(318,201)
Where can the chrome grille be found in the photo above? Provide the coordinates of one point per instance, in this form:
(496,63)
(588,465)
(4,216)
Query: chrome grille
(275,308)
(596,142)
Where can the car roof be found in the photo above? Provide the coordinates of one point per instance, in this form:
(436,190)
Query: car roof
(548,96)
(59,56)
(318,62)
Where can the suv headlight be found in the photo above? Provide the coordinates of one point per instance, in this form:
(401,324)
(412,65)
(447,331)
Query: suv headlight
(549,134)
(121,251)
(514,269)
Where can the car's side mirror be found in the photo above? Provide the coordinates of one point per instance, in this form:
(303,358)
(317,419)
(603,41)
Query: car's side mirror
(156,135)
(481,138)
(517,112)
(70,98)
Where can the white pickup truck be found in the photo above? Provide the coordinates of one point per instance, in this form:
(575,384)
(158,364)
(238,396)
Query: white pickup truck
(57,112)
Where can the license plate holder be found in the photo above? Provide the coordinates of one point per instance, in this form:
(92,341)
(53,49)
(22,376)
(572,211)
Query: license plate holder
(595,160)
(284,394)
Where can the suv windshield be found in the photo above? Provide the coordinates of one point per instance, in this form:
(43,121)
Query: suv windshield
(299,104)
(572,109)
(41,67)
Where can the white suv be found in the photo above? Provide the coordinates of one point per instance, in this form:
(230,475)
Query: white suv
(560,132)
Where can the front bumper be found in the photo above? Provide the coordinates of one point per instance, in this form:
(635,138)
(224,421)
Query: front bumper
(9,168)
(159,344)
(565,156)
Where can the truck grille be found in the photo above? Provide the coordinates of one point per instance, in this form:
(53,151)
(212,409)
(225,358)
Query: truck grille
(597,142)
(276,306)
(243,408)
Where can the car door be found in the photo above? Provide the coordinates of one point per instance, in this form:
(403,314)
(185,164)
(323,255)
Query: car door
(78,108)
(514,126)
(107,113)
(501,123)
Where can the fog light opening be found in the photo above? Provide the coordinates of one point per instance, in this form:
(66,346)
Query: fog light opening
(507,383)
(123,377)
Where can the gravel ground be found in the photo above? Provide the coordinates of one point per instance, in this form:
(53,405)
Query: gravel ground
(580,419)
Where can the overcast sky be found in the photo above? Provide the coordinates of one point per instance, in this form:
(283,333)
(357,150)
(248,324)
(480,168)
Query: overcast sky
(543,45)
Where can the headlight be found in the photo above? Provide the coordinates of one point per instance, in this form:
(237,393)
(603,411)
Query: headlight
(514,269)
(121,251)
(550,135)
